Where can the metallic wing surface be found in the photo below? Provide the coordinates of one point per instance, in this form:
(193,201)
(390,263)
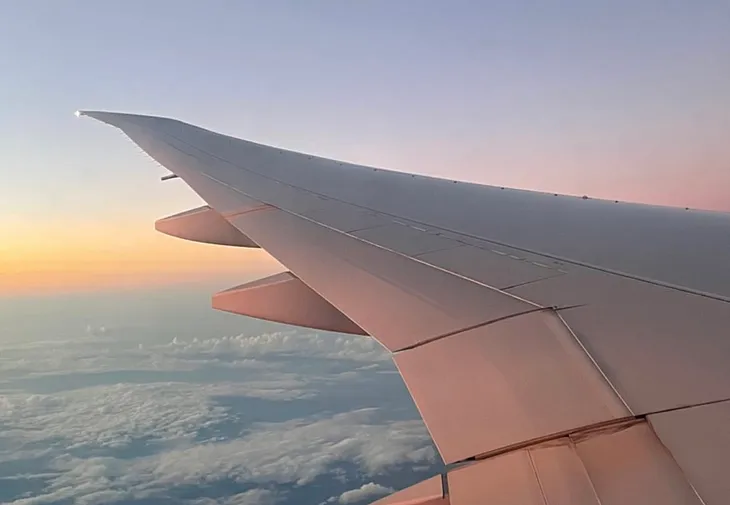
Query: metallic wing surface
(560,350)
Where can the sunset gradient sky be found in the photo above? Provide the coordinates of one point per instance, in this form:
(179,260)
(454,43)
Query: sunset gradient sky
(621,99)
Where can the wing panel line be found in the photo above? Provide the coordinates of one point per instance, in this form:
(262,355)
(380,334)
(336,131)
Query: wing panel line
(461,244)
(571,443)
(681,469)
(533,281)
(595,363)
(472,327)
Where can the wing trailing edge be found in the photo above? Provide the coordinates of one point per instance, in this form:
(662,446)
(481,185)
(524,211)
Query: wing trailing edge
(621,464)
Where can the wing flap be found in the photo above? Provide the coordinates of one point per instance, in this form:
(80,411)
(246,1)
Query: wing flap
(507,479)
(631,466)
(561,475)
(625,465)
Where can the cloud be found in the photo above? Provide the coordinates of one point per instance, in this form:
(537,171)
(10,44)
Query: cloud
(293,452)
(114,416)
(366,491)
(303,344)
(109,416)
(298,451)
(126,442)
(108,352)
(130,420)
(250,497)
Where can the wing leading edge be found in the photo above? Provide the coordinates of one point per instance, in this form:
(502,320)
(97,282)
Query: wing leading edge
(545,359)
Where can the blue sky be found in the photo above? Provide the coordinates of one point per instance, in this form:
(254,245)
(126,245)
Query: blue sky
(623,100)
(452,88)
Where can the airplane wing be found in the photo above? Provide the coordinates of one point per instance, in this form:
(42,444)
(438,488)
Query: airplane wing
(561,350)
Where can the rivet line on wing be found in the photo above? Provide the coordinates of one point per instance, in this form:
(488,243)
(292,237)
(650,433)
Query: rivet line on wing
(448,248)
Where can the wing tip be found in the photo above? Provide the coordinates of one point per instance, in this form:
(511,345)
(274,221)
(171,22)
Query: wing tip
(121,119)
(96,114)
(116,119)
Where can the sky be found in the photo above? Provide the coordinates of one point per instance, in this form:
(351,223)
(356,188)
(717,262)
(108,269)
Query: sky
(119,384)
(624,100)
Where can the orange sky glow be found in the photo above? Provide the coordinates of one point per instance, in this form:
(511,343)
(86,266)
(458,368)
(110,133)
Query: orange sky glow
(61,255)
(92,257)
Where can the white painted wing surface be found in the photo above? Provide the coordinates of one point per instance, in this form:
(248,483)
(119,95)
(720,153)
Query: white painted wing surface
(536,333)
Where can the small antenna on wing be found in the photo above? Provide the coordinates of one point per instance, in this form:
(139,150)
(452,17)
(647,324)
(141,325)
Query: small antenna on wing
(168,177)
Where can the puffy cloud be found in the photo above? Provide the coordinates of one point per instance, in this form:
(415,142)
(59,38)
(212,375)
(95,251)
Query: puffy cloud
(108,416)
(366,491)
(114,416)
(106,352)
(87,482)
(250,497)
(334,346)
(298,451)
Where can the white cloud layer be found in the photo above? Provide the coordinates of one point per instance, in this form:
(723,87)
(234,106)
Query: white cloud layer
(297,451)
(114,416)
(79,434)
(350,347)
(291,452)
(108,352)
